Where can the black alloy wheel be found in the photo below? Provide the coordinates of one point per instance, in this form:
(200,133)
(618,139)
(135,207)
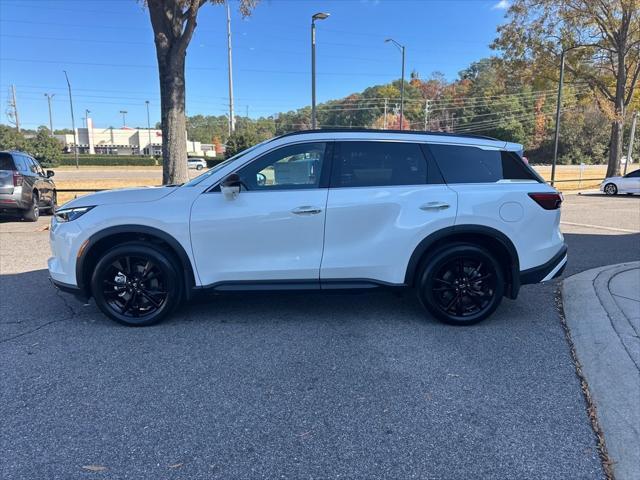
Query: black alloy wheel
(136,285)
(462,284)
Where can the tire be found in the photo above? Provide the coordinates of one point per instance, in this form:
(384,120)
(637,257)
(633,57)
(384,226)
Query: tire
(32,213)
(610,189)
(136,284)
(53,206)
(199,167)
(461,284)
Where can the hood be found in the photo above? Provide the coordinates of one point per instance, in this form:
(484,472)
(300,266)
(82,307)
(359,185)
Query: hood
(122,195)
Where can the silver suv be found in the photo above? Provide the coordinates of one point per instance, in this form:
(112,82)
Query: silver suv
(25,188)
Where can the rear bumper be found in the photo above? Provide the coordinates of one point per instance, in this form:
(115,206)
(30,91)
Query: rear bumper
(12,201)
(547,271)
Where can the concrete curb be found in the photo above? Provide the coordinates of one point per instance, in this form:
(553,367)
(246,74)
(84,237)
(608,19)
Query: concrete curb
(604,341)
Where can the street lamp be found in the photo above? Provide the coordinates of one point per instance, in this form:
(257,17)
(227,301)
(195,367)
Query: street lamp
(73,121)
(86,117)
(558,106)
(124,117)
(49,97)
(401,48)
(148,127)
(317,16)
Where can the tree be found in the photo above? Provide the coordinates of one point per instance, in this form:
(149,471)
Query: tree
(239,141)
(604,39)
(44,148)
(173,23)
(11,139)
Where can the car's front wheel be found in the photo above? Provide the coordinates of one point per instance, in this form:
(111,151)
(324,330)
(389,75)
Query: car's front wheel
(199,167)
(461,284)
(33,212)
(610,189)
(136,284)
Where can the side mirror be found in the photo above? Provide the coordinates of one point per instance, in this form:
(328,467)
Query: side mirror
(50,173)
(230,186)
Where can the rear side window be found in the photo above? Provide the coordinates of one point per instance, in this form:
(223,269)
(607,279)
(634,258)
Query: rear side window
(6,162)
(464,164)
(375,164)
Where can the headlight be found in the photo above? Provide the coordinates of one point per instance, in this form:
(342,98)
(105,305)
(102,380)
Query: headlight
(70,214)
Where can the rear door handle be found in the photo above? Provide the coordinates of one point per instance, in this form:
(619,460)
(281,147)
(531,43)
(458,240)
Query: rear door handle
(434,206)
(306,210)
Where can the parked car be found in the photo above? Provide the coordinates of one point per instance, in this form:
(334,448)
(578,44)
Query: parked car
(629,184)
(460,219)
(197,163)
(25,188)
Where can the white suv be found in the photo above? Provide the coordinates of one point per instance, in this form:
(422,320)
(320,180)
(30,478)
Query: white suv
(197,163)
(460,219)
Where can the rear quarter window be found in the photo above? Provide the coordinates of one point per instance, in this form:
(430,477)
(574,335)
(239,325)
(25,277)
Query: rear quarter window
(467,164)
(6,162)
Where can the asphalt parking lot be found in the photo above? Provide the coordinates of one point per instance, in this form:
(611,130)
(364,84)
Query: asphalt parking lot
(296,386)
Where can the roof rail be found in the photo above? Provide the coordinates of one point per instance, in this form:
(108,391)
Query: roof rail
(377,130)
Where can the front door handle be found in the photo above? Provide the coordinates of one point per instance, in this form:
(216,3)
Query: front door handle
(306,210)
(434,206)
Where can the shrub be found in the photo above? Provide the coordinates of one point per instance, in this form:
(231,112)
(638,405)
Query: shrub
(110,160)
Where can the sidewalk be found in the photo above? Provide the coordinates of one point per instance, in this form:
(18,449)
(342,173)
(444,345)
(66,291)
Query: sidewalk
(602,311)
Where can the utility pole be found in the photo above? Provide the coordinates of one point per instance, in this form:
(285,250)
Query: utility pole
(402,49)
(14,105)
(317,16)
(385,114)
(49,97)
(426,115)
(86,116)
(232,120)
(124,117)
(632,135)
(148,128)
(73,121)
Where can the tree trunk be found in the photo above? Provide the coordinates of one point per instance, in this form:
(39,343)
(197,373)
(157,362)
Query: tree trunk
(617,125)
(174,125)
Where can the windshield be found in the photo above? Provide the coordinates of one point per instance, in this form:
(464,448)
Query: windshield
(211,171)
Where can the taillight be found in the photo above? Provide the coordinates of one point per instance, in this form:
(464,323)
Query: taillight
(548,201)
(17,179)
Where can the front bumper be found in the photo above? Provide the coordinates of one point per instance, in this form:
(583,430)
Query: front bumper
(547,271)
(72,289)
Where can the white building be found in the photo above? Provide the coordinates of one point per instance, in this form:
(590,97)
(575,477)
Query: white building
(125,141)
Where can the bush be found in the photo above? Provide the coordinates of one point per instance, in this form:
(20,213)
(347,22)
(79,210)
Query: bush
(212,162)
(110,160)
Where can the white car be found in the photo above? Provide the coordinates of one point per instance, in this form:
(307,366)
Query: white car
(630,183)
(197,163)
(459,219)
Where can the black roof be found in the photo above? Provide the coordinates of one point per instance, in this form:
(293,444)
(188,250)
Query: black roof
(377,130)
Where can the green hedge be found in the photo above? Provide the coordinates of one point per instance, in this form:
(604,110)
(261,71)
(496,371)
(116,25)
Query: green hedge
(110,160)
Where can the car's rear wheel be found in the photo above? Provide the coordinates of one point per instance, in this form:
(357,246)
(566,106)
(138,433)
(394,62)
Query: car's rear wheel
(461,284)
(136,284)
(199,167)
(33,212)
(610,189)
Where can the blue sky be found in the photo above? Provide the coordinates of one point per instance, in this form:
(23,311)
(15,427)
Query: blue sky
(106,46)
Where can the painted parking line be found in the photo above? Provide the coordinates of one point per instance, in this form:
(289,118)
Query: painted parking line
(599,227)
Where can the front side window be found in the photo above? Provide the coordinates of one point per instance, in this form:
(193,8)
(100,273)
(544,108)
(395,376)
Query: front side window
(374,164)
(466,164)
(635,174)
(290,167)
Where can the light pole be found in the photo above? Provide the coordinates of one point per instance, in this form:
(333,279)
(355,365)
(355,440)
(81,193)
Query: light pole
(86,117)
(73,121)
(124,117)
(556,138)
(49,97)
(401,48)
(232,118)
(148,127)
(317,16)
